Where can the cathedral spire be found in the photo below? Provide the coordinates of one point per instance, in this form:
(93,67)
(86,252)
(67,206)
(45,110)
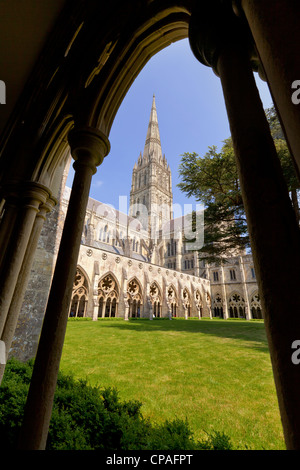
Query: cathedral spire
(152,145)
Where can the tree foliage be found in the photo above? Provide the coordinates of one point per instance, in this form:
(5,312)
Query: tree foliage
(213,181)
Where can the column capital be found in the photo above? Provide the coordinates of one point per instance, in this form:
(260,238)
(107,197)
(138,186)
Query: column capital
(213,27)
(21,191)
(88,146)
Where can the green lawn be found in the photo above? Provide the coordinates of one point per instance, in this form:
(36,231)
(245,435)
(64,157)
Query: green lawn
(215,373)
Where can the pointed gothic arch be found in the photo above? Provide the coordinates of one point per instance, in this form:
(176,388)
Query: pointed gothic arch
(198,302)
(108,296)
(217,306)
(236,305)
(134,298)
(186,301)
(80,291)
(172,299)
(156,299)
(255,306)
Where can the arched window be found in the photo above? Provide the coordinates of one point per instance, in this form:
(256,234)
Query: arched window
(79,300)
(134,294)
(199,303)
(155,299)
(237,308)
(255,306)
(172,300)
(217,308)
(105,233)
(108,294)
(186,301)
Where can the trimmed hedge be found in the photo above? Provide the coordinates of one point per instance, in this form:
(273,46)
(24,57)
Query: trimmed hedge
(89,418)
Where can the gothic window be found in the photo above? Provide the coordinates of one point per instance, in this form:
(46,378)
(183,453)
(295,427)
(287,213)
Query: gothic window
(253,273)
(108,295)
(134,298)
(172,300)
(155,299)
(216,276)
(186,301)
(255,306)
(237,307)
(100,234)
(105,233)
(232,275)
(145,179)
(79,295)
(198,302)
(218,306)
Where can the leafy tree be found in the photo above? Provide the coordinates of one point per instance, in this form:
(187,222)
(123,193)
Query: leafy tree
(213,181)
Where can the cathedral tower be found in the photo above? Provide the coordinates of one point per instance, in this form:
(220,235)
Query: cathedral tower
(151,189)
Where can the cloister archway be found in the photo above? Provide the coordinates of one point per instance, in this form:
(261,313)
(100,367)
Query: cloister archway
(108,296)
(80,292)
(135,298)
(80,77)
(172,300)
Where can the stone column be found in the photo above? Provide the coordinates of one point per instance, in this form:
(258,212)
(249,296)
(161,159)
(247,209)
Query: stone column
(88,148)
(18,296)
(31,196)
(276,32)
(221,41)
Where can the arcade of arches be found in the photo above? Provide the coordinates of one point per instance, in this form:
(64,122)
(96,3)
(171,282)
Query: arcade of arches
(73,74)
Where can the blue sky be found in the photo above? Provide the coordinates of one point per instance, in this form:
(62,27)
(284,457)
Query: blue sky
(191,117)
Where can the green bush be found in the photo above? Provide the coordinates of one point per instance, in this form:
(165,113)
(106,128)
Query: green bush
(88,418)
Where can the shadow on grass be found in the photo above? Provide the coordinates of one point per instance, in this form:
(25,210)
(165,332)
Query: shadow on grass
(252,331)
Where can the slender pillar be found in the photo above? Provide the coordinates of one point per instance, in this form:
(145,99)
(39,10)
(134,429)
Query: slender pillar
(88,148)
(275,27)
(17,300)
(271,220)
(31,196)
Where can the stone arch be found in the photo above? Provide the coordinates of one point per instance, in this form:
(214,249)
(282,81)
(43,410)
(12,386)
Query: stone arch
(236,305)
(172,300)
(134,297)
(198,302)
(79,299)
(217,305)
(108,295)
(255,305)
(186,301)
(155,299)
(125,62)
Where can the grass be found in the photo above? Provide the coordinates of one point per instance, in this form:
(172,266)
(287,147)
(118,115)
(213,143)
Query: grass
(215,373)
